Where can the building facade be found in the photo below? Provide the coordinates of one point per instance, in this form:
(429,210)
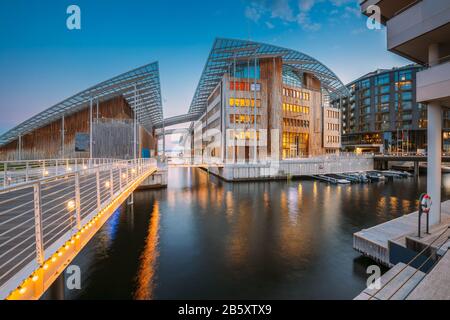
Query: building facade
(265,108)
(420,32)
(382,113)
(114,119)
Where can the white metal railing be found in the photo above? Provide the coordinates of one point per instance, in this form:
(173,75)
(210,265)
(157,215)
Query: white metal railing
(15,172)
(38,217)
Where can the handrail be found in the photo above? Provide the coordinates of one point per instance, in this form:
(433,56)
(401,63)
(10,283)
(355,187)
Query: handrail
(408,264)
(40,216)
(22,171)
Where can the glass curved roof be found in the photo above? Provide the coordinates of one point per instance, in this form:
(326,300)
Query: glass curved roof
(143,81)
(225,51)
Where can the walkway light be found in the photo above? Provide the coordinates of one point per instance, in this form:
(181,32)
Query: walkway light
(22,290)
(53,259)
(35,278)
(45,266)
(59,254)
(71,205)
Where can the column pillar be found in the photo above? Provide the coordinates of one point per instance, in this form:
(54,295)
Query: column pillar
(434,148)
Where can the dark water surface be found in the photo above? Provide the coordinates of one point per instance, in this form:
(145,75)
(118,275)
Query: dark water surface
(204,238)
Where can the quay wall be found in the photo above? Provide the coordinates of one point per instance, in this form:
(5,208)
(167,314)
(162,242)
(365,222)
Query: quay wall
(292,168)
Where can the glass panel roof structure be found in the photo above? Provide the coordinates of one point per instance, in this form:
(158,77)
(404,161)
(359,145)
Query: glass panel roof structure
(226,51)
(142,83)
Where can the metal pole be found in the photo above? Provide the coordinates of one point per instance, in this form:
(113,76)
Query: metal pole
(62,137)
(254,94)
(77,200)
(38,224)
(97,109)
(20,147)
(164,140)
(97,176)
(135,123)
(111,183)
(90,129)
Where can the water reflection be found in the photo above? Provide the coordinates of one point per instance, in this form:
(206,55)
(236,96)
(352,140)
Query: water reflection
(204,238)
(146,273)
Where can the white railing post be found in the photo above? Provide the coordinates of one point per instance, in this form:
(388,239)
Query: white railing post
(5,174)
(77,200)
(111,181)
(120,178)
(99,201)
(26,171)
(38,224)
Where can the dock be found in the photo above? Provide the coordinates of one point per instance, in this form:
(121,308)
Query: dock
(436,285)
(396,284)
(377,241)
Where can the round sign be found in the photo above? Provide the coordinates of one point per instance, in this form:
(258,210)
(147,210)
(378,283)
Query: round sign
(426,203)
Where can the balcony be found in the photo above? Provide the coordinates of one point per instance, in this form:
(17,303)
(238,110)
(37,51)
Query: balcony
(433,84)
(412,31)
(389,8)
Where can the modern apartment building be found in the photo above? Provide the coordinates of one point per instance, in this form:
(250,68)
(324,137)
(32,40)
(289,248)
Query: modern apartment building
(280,94)
(382,114)
(420,31)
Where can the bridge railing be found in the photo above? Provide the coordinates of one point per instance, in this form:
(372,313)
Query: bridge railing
(38,217)
(15,172)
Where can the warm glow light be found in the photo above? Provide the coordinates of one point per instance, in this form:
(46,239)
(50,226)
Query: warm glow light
(69,169)
(124,176)
(45,173)
(35,278)
(53,259)
(85,167)
(133,170)
(59,254)
(107,184)
(67,247)
(22,290)
(45,266)
(71,205)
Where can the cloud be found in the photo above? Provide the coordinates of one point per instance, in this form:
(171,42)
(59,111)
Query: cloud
(269,25)
(297,11)
(253,13)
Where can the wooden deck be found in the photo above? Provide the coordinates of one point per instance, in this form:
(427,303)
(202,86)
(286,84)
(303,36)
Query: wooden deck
(374,242)
(396,284)
(436,285)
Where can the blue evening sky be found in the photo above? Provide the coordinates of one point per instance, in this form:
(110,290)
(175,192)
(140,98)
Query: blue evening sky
(42,62)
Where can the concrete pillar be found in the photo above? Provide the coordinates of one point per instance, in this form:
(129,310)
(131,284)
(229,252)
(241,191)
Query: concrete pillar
(434,148)
(416,169)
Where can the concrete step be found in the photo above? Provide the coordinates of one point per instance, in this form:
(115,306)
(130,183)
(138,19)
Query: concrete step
(404,280)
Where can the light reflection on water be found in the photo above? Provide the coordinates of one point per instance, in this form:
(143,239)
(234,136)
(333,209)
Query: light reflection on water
(204,238)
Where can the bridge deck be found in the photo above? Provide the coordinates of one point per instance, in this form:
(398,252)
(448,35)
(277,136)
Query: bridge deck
(39,218)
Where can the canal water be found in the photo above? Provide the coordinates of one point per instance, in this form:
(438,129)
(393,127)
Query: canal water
(207,239)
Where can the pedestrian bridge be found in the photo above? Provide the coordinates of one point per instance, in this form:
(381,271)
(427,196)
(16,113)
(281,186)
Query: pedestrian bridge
(50,209)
